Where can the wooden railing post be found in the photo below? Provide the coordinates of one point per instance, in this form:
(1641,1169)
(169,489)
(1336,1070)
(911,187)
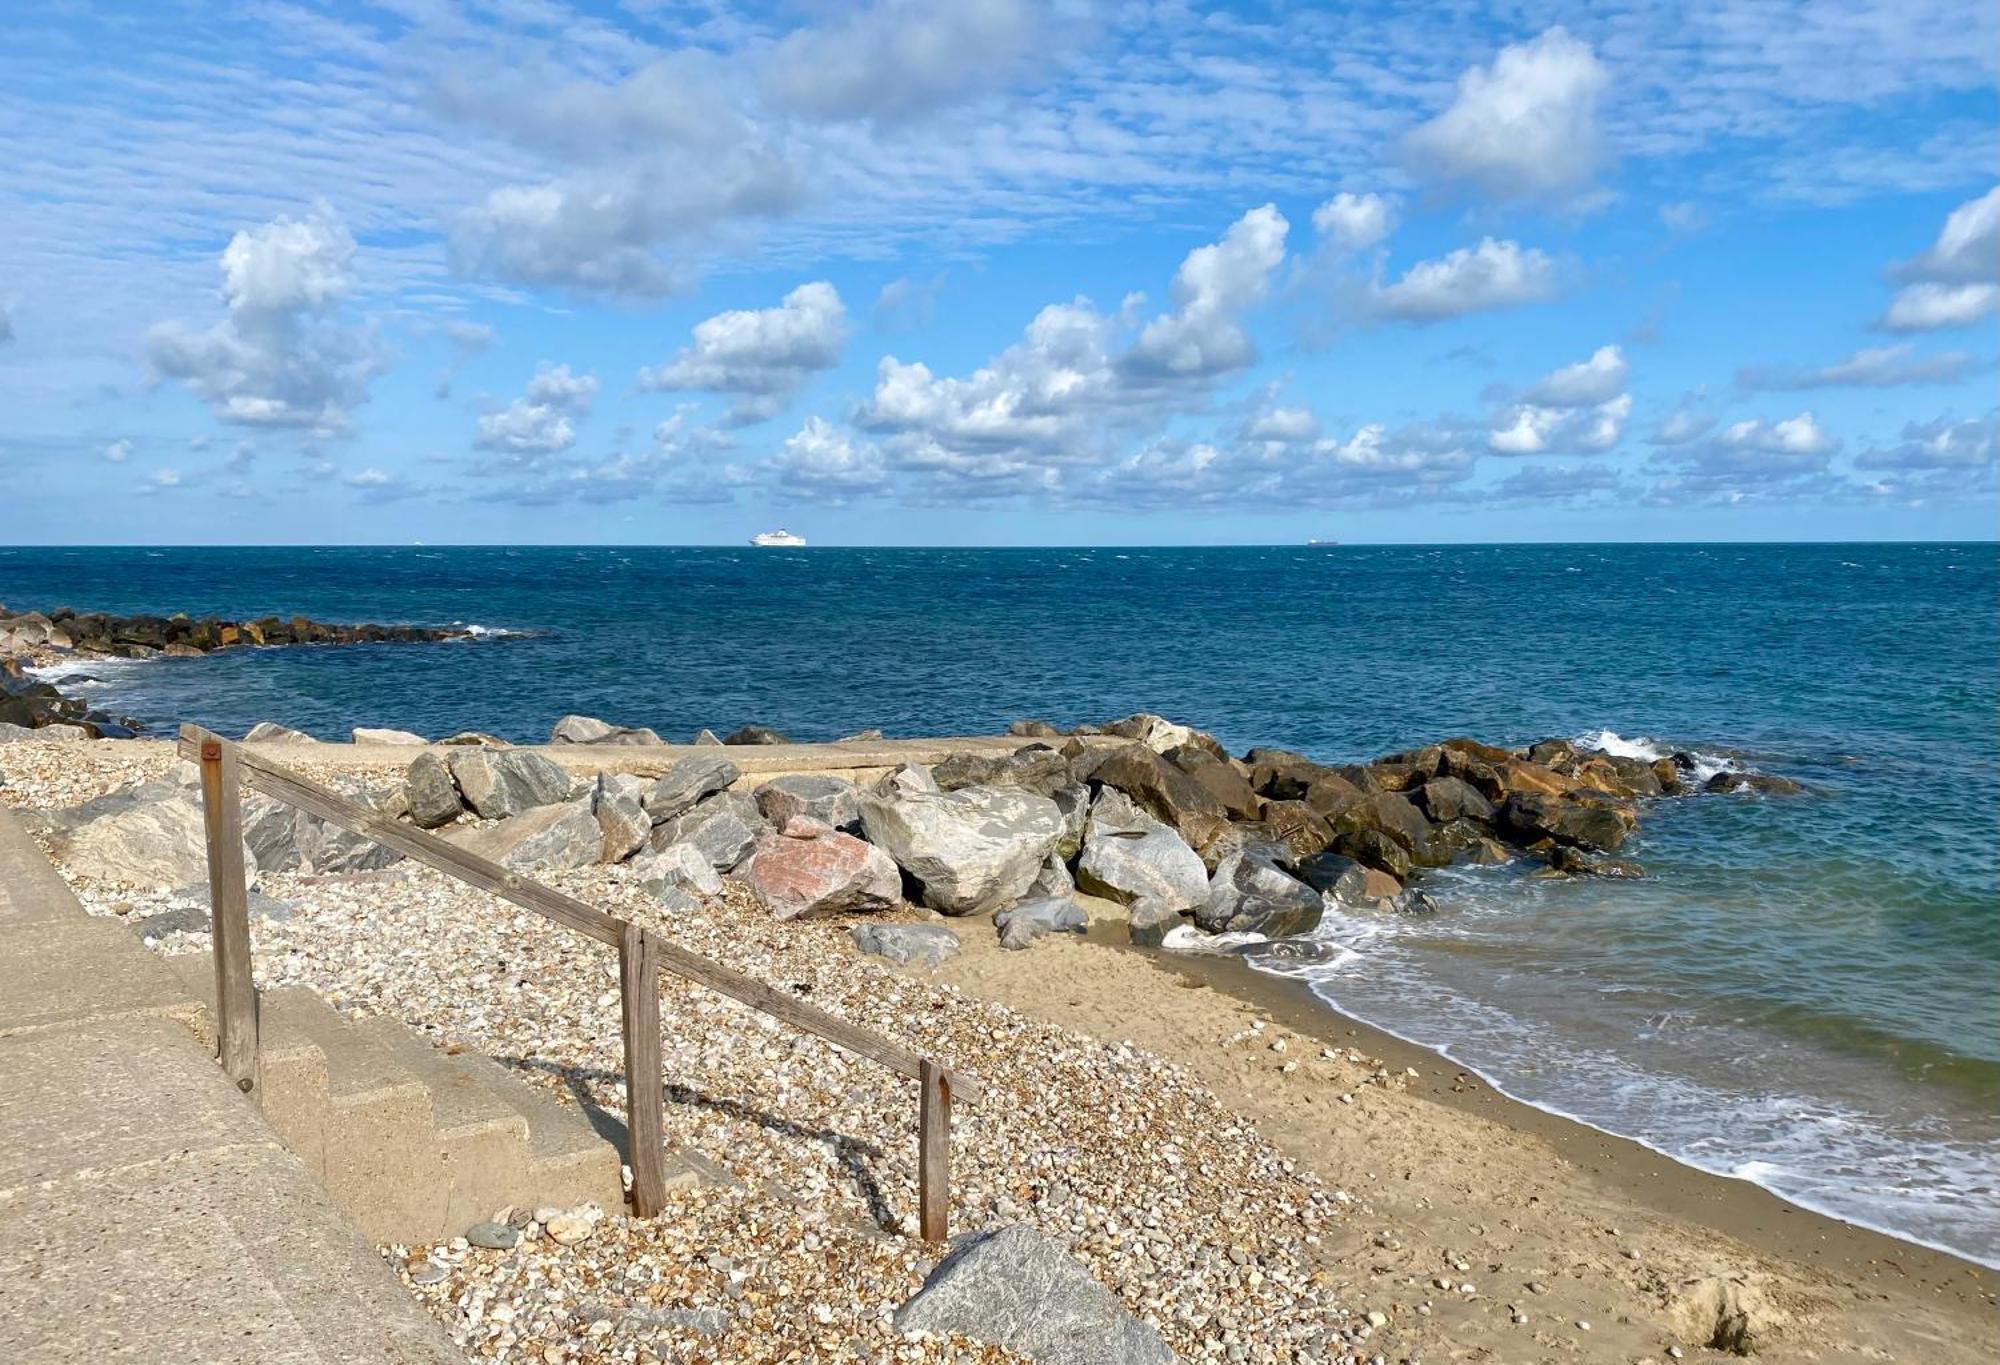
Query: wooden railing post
(639,997)
(934,1152)
(229,913)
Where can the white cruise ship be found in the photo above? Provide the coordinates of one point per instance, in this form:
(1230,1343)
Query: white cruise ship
(778,539)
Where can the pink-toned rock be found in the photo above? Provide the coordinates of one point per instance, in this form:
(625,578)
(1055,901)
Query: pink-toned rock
(813,869)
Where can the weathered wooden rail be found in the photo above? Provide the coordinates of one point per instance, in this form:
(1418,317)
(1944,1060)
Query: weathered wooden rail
(642,954)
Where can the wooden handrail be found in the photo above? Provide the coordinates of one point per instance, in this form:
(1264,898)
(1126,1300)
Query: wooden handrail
(642,954)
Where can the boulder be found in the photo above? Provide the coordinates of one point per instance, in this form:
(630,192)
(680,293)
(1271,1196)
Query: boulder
(1036,768)
(971,850)
(910,777)
(756,734)
(497,783)
(542,838)
(1298,826)
(1073,803)
(1053,880)
(1345,880)
(1034,729)
(1333,796)
(1164,791)
(1016,1289)
(1405,771)
(1531,816)
(1453,798)
(687,782)
(1393,815)
(868,736)
(618,802)
(1221,777)
(1251,836)
(159,843)
(677,867)
(284,838)
(1130,857)
(1158,733)
(1571,862)
(830,800)
(705,737)
(1025,922)
(1251,895)
(725,828)
(1376,849)
(270,732)
(590,730)
(926,945)
(810,868)
(14,734)
(475,739)
(1762,784)
(430,792)
(365,735)
(1281,774)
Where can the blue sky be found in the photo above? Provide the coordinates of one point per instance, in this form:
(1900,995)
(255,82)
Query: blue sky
(998,272)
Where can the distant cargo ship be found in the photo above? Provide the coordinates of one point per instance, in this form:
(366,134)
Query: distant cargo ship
(778,539)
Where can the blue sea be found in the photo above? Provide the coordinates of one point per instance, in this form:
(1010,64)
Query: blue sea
(1804,992)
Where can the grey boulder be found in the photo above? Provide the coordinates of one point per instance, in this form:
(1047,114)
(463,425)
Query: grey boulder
(830,800)
(1023,924)
(724,828)
(618,802)
(972,850)
(497,783)
(1249,894)
(430,793)
(150,844)
(590,730)
(545,838)
(1129,857)
(270,732)
(1017,1289)
(688,782)
(677,867)
(926,945)
(365,735)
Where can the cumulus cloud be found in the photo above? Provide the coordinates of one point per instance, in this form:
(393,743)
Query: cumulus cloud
(1951,283)
(378,485)
(895,59)
(1754,458)
(281,357)
(1078,376)
(1524,128)
(760,356)
(1596,380)
(541,421)
(1355,222)
(822,460)
(1942,445)
(119,451)
(1877,367)
(1687,422)
(1529,429)
(1494,274)
(1282,424)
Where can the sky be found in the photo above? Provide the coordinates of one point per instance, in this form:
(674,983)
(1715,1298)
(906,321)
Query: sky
(998,272)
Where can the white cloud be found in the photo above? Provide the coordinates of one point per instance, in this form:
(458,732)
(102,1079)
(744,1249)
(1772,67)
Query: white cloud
(1942,445)
(1928,307)
(281,357)
(1355,222)
(1687,422)
(1951,283)
(898,58)
(823,460)
(1214,286)
(1751,459)
(1528,429)
(1596,380)
(1877,367)
(1524,128)
(1494,274)
(760,356)
(119,451)
(1282,424)
(540,422)
(1801,435)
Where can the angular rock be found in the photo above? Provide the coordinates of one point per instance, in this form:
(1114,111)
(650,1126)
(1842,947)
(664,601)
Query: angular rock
(270,732)
(971,850)
(1376,849)
(1053,880)
(756,734)
(1036,768)
(705,737)
(1250,836)
(1453,798)
(1129,857)
(590,730)
(1073,804)
(149,844)
(365,735)
(1025,922)
(1762,784)
(543,838)
(618,802)
(925,945)
(1529,816)
(725,828)
(1395,816)
(430,792)
(1016,1289)
(810,868)
(497,783)
(1034,729)
(1302,829)
(687,782)
(1221,777)
(1163,790)
(681,867)
(1346,881)
(910,777)
(1250,895)
(830,800)
(477,739)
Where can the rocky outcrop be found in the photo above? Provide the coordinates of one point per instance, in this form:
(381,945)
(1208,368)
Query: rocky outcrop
(810,868)
(972,850)
(687,782)
(830,800)
(1014,1288)
(1249,894)
(1027,922)
(499,783)
(142,636)
(925,945)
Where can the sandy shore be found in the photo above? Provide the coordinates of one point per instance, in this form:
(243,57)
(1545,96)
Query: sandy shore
(1548,1219)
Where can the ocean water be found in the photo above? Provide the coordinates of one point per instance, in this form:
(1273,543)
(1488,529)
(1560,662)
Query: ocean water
(1804,992)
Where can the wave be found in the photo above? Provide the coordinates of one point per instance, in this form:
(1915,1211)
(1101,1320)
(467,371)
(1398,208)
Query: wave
(1706,763)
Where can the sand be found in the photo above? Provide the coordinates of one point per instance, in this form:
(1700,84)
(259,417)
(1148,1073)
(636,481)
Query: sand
(1546,1219)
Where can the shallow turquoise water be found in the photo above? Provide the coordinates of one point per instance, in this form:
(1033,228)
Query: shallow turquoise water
(1806,991)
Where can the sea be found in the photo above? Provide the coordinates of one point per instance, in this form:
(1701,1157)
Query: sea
(1803,991)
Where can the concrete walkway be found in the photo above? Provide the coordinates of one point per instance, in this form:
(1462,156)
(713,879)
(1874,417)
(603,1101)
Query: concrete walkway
(147,1211)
